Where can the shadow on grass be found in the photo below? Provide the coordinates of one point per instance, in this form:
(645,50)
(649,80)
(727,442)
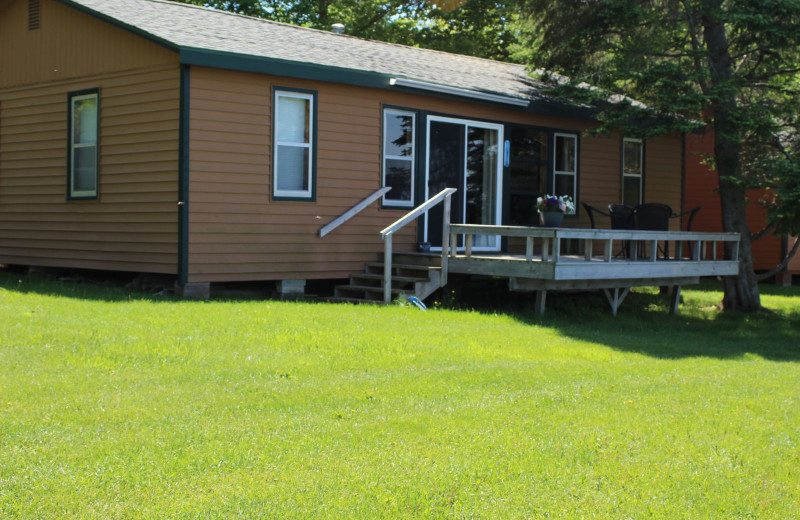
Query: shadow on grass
(84,287)
(644,325)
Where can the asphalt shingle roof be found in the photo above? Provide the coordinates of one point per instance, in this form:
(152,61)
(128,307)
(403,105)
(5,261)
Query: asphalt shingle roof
(197,28)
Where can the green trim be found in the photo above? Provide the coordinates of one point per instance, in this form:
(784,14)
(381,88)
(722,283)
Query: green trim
(422,170)
(313,181)
(70,95)
(342,75)
(183,178)
(281,67)
(127,27)
(643,152)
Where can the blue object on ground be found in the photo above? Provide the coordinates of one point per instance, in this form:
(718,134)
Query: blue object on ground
(416,301)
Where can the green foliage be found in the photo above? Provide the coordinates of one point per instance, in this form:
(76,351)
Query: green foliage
(731,64)
(125,406)
(479,27)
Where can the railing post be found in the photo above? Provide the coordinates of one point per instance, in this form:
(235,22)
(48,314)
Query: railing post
(556,247)
(445,240)
(529,249)
(387,268)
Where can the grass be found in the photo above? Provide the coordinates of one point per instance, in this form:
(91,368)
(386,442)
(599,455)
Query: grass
(123,405)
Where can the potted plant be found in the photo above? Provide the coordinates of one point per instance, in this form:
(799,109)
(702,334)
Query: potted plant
(552,209)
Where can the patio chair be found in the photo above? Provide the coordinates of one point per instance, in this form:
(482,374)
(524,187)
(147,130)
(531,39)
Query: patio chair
(692,213)
(621,216)
(591,210)
(653,216)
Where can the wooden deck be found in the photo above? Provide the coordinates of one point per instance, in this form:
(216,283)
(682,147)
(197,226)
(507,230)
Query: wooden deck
(612,260)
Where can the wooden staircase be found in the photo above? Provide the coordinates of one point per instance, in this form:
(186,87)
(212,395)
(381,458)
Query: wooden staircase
(413,274)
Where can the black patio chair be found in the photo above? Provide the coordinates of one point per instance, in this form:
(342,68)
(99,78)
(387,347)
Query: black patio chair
(653,216)
(621,216)
(591,210)
(692,213)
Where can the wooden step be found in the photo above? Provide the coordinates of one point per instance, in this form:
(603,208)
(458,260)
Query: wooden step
(370,289)
(407,278)
(395,278)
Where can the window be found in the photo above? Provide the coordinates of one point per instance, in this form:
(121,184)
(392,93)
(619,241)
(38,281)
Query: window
(398,157)
(293,145)
(565,165)
(82,130)
(632,171)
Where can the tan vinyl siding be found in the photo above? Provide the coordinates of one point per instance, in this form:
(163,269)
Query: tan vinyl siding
(68,44)
(662,182)
(133,224)
(237,232)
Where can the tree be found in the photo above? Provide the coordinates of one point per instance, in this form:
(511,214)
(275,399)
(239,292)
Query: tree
(732,64)
(479,27)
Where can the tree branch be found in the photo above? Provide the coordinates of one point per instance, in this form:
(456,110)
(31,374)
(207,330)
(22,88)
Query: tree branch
(690,22)
(780,267)
(760,234)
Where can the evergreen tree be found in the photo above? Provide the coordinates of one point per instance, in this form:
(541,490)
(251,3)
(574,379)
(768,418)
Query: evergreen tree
(732,64)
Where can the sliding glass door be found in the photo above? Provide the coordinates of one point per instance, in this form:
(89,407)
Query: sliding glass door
(465,155)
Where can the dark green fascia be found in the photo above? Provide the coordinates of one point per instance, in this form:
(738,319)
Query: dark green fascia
(116,23)
(294,69)
(278,67)
(183,179)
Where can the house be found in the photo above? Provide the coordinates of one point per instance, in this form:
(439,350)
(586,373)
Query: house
(156,137)
(701,186)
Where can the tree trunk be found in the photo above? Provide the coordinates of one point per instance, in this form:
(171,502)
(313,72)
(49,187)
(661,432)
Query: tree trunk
(741,292)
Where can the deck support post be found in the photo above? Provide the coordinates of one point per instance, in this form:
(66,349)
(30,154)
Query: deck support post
(674,299)
(616,297)
(541,301)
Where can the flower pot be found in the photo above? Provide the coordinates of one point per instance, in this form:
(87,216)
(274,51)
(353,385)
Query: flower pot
(552,218)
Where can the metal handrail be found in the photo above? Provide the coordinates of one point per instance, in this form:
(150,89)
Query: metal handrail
(352,212)
(386,235)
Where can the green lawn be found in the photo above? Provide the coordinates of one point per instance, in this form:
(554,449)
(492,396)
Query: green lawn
(118,405)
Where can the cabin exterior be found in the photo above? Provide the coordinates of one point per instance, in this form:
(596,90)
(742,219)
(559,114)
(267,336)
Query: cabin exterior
(148,136)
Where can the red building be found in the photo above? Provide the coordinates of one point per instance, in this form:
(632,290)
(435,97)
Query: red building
(701,181)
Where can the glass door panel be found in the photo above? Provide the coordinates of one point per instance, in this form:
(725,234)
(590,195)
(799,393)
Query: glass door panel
(464,155)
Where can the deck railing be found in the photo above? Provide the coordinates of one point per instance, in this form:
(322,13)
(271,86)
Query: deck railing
(443,196)
(548,241)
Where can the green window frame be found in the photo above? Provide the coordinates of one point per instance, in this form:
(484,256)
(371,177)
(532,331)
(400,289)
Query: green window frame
(294,144)
(83,144)
(632,171)
(399,156)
